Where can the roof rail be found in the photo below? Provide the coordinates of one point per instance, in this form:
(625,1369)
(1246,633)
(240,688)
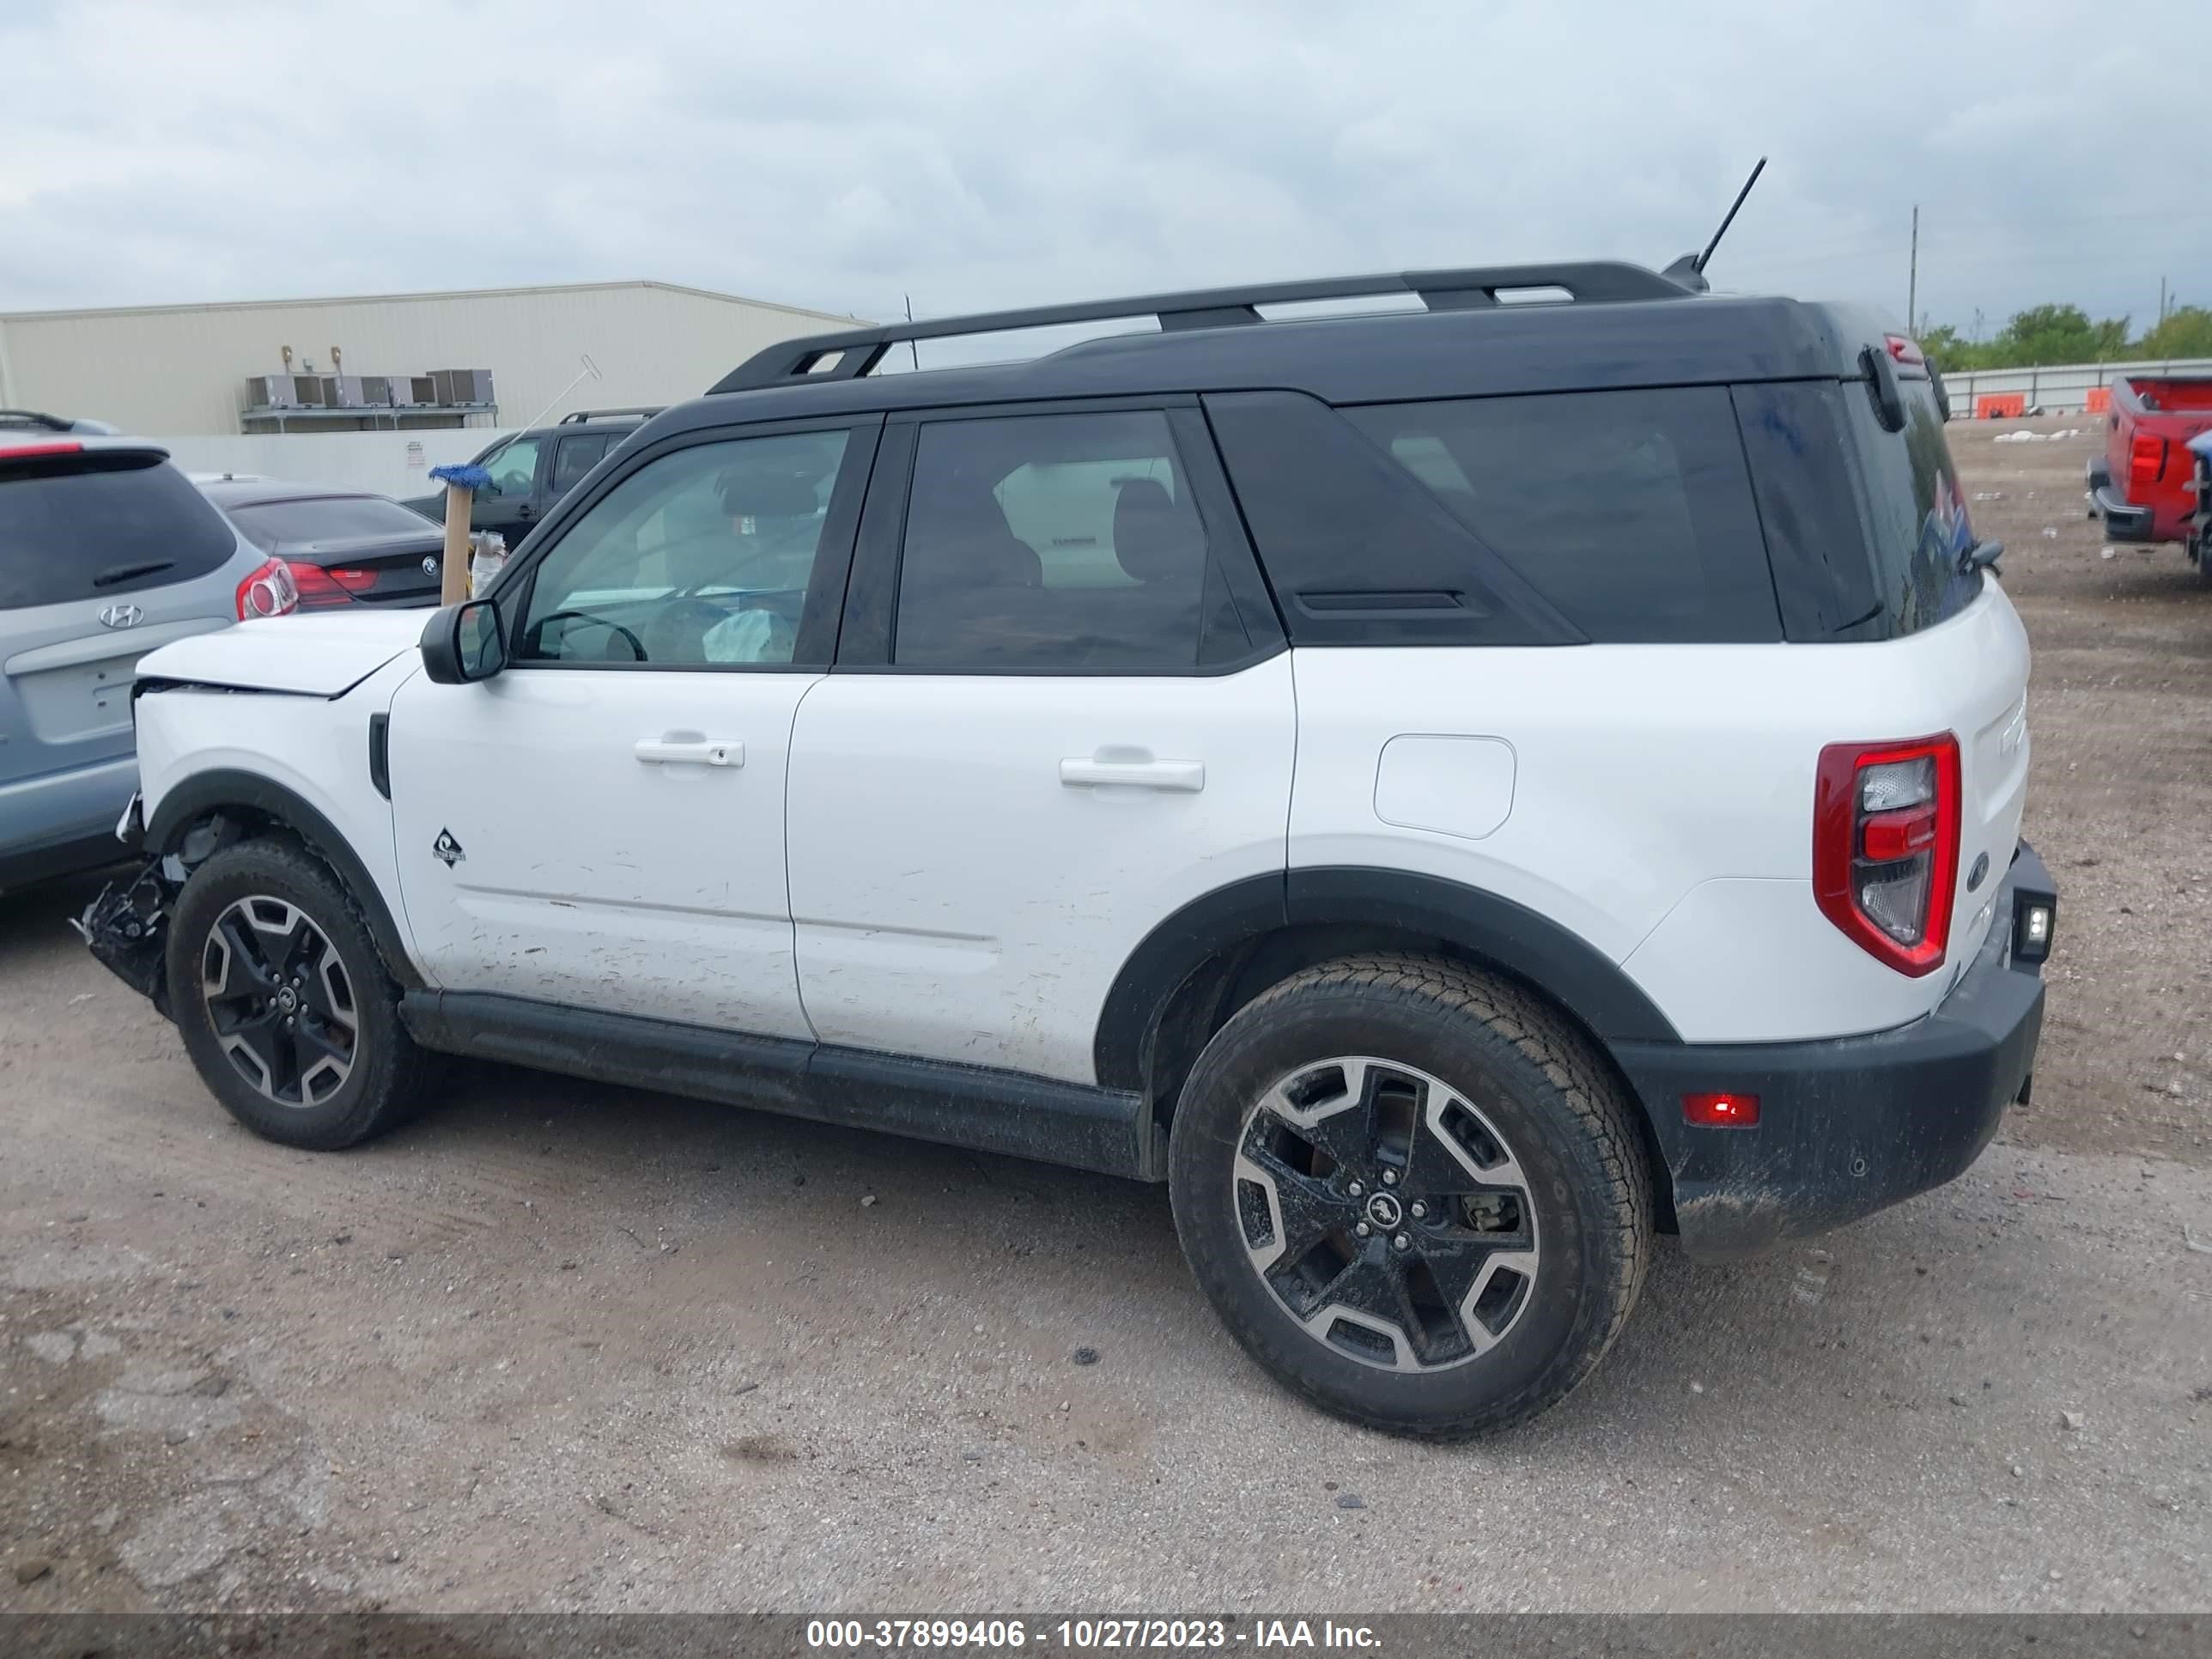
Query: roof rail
(577,416)
(35,417)
(849,356)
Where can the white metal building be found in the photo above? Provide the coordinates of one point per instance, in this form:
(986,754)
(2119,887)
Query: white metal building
(185,370)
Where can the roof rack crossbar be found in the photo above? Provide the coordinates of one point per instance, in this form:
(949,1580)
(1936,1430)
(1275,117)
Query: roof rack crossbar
(854,352)
(578,417)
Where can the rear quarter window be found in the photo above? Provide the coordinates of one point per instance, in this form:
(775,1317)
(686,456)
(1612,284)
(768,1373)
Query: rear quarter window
(1631,511)
(97,524)
(1917,515)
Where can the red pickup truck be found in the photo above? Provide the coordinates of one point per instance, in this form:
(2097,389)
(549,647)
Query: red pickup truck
(2144,485)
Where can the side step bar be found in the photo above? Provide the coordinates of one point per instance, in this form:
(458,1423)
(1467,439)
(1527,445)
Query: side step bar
(1107,1130)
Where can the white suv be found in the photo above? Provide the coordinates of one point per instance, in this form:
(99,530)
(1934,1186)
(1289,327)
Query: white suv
(1452,793)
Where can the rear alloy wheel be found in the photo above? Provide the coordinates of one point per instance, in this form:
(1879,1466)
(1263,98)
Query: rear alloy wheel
(1386,1214)
(1412,1192)
(284,1005)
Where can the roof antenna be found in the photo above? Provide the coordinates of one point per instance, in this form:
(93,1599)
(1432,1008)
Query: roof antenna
(1690,270)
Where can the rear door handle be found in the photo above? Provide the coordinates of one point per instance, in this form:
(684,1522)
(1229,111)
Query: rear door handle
(690,751)
(1185,777)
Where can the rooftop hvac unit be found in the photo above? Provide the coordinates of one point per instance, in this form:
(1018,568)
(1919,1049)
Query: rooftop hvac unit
(342,391)
(462,386)
(376,390)
(271,392)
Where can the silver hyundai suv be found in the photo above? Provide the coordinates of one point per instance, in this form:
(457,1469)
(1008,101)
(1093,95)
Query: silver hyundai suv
(106,551)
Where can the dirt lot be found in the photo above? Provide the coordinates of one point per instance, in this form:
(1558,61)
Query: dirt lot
(560,1346)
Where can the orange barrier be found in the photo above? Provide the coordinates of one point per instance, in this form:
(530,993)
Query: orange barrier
(2100,400)
(1999,405)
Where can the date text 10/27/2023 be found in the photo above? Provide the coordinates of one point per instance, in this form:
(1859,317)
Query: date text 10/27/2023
(1085,1635)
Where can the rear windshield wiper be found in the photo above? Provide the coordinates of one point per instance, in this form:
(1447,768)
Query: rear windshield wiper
(123,573)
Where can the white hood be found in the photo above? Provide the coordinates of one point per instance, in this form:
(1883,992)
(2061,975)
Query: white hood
(313,655)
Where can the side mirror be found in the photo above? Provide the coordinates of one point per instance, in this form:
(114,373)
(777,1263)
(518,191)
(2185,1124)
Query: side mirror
(464,643)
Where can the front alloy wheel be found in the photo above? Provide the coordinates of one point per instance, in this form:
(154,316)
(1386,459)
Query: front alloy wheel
(279,1001)
(1386,1213)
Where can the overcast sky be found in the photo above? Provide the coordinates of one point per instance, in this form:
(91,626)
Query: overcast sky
(840,155)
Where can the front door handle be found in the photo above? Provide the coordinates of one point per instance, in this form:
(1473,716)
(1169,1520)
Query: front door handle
(690,751)
(1185,777)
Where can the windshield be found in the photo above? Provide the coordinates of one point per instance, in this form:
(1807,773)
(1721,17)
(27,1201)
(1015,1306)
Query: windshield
(327,519)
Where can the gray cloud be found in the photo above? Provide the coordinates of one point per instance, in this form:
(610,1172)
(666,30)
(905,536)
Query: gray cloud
(983,154)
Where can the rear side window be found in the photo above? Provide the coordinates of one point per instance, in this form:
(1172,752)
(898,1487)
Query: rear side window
(1631,511)
(92,525)
(1917,513)
(574,457)
(1065,542)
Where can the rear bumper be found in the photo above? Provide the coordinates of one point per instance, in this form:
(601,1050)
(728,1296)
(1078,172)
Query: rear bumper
(2124,520)
(64,821)
(1849,1125)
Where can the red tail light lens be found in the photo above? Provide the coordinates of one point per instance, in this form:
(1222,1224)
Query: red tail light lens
(1886,846)
(269,591)
(2146,459)
(318,584)
(27,451)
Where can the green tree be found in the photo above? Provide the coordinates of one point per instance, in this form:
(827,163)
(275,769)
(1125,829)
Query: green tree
(2186,332)
(2056,334)
(1950,349)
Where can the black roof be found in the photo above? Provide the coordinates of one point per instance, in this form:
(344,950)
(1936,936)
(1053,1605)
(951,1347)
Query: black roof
(1624,327)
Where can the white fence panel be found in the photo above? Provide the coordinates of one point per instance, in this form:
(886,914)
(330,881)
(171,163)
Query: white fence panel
(388,462)
(2060,389)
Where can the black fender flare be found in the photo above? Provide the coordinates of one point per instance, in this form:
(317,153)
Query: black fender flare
(207,793)
(1510,936)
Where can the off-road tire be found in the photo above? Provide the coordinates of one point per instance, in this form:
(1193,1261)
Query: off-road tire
(388,1073)
(1556,1104)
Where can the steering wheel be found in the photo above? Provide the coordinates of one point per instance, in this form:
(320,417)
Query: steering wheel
(537,633)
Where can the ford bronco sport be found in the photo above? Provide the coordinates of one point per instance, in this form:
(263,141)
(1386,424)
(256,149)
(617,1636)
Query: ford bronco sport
(1451,793)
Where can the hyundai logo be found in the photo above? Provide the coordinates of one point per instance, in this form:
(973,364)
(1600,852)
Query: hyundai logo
(122,615)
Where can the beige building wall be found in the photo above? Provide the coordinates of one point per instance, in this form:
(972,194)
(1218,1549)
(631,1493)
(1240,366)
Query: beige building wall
(176,370)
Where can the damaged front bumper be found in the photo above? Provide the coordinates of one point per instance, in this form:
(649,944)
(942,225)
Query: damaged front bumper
(1851,1125)
(126,927)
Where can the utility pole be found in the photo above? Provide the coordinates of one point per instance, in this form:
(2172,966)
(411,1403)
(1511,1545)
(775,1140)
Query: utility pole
(1912,283)
(2161,301)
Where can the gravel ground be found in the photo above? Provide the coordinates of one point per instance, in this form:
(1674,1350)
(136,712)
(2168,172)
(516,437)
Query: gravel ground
(560,1346)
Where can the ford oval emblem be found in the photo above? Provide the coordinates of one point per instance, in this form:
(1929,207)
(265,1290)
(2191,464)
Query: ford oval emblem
(1981,869)
(122,615)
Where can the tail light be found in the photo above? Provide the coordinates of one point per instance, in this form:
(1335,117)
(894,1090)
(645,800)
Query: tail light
(2146,459)
(269,591)
(1886,846)
(318,584)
